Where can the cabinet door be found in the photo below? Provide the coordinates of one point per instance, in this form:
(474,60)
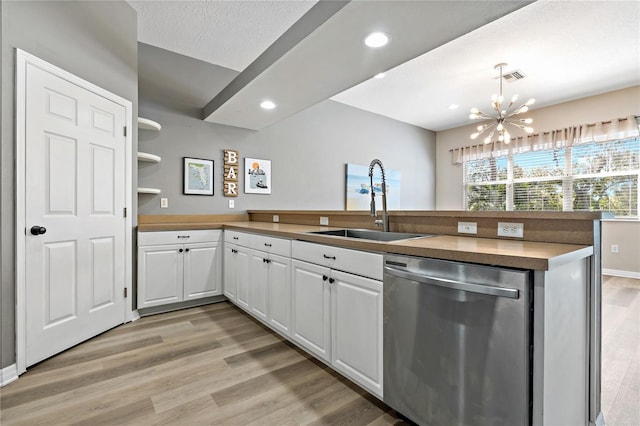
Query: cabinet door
(280,294)
(160,271)
(242,277)
(230,283)
(311,322)
(259,285)
(201,270)
(356,318)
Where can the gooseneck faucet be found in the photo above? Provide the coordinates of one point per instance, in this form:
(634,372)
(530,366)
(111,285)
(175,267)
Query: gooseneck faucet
(385,220)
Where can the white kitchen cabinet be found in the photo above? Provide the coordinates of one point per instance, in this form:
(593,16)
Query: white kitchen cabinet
(172,270)
(280,293)
(356,329)
(337,315)
(236,274)
(311,319)
(259,285)
(270,281)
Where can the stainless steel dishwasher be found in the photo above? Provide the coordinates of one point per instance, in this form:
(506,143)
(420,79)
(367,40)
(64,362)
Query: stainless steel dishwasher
(457,342)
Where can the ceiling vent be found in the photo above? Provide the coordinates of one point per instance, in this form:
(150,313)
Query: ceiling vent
(513,76)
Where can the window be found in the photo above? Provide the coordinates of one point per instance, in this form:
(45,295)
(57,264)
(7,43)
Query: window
(583,177)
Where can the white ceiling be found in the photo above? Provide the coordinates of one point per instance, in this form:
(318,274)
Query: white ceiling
(567,49)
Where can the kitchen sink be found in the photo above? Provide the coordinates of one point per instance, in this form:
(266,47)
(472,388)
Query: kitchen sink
(370,234)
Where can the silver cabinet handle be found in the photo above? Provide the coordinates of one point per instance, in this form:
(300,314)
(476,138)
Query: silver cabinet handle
(511,293)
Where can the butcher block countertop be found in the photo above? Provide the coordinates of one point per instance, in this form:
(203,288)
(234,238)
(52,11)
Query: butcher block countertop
(488,251)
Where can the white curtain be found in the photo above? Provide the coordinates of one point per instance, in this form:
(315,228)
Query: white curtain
(619,128)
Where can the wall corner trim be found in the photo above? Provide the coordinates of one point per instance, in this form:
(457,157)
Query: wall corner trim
(8,375)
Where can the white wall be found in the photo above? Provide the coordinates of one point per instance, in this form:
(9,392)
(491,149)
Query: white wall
(618,104)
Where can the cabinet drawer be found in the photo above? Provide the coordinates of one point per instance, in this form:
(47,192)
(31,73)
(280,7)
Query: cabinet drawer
(272,245)
(153,238)
(356,262)
(235,237)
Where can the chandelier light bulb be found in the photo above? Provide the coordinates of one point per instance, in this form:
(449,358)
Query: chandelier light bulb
(502,117)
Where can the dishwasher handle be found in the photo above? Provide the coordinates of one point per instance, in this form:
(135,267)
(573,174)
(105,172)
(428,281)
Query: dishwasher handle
(511,293)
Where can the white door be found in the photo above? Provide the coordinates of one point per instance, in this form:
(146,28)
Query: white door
(201,270)
(356,322)
(242,276)
(259,284)
(75,189)
(280,294)
(160,275)
(230,272)
(311,324)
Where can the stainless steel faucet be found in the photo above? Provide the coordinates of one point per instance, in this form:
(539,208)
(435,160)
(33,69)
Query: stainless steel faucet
(385,219)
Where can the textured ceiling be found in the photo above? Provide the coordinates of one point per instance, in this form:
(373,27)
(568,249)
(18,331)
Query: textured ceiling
(567,49)
(227,33)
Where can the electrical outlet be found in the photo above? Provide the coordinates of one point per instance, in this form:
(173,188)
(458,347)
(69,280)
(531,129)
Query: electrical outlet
(514,230)
(467,227)
(164,203)
(614,248)
(324,220)
(232,204)
(276,218)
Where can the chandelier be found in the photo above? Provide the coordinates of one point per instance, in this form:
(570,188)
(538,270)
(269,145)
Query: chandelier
(504,117)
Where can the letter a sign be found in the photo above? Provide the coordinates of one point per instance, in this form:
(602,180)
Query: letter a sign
(231,164)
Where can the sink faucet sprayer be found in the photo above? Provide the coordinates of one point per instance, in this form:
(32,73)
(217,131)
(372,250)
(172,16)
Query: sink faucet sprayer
(385,220)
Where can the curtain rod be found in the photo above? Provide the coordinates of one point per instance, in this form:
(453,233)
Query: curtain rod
(546,133)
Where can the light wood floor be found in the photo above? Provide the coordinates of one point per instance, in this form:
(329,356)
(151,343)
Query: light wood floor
(205,365)
(215,365)
(621,351)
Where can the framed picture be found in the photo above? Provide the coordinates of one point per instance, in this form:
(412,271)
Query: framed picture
(358,187)
(198,176)
(257,176)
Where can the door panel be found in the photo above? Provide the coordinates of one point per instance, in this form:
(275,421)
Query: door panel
(201,268)
(160,271)
(280,294)
(311,310)
(75,188)
(259,285)
(103,277)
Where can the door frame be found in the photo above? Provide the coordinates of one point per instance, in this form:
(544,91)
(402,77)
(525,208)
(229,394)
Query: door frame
(23,58)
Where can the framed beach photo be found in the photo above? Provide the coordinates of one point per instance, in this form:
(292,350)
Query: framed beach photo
(257,176)
(358,187)
(198,176)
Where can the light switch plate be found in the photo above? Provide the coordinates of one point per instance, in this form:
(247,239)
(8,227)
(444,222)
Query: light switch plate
(467,227)
(232,204)
(164,203)
(324,220)
(508,229)
(276,218)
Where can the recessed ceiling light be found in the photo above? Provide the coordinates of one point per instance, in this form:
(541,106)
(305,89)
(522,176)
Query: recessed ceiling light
(376,39)
(267,105)
(379,75)
(453,106)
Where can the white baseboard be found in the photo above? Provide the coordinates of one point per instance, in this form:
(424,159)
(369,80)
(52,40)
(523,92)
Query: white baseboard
(135,316)
(8,375)
(618,273)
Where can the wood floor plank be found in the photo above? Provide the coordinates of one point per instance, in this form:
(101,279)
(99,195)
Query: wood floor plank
(213,364)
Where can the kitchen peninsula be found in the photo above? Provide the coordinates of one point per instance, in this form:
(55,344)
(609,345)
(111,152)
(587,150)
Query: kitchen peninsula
(561,251)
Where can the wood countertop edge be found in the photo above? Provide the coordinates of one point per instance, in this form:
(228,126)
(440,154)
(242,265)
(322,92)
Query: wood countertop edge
(562,253)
